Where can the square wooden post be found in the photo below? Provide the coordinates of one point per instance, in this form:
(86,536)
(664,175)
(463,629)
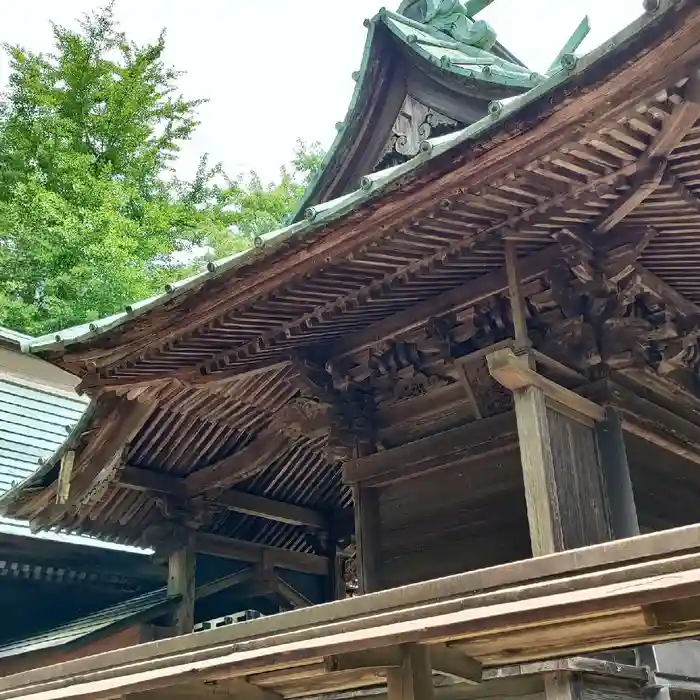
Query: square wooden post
(413,680)
(565,490)
(181,581)
(367,537)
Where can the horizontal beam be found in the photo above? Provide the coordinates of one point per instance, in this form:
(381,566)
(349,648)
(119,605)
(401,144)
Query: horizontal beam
(137,479)
(514,372)
(242,465)
(634,604)
(460,445)
(253,553)
(443,659)
(663,552)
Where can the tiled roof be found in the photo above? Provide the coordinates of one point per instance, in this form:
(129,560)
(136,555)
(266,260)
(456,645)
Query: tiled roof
(141,609)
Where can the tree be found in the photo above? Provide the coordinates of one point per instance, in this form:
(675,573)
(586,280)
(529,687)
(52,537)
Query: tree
(91,213)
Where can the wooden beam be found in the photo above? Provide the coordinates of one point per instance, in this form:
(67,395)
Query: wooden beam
(149,481)
(146,480)
(554,589)
(564,489)
(367,537)
(242,465)
(223,583)
(460,445)
(105,449)
(277,511)
(240,550)
(465,295)
(413,679)
(443,659)
(65,475)
(641,186)
(616,472)
(515,294)
(681,121)
(515,373)
(181,582)
(290,594)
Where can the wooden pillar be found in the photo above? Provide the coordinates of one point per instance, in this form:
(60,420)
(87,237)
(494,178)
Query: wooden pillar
(181,581)
(616,473)
(565,492)
(367,537)
(413,680)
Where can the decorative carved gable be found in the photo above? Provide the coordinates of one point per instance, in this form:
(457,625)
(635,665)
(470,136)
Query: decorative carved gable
(415,124)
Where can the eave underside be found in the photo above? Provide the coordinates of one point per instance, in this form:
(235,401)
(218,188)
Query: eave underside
(621,180)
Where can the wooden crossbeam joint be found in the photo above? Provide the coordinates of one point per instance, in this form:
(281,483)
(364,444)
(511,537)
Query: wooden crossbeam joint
(515,372)
(443,659)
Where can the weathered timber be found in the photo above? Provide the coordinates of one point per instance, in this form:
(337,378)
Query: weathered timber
(242,465)
(443,659)
(96,467)
(149,481)
(224,582)
(634,611)
(367,537)
(229,548)
(476,440)
(290,594)
(515,294)
(611,563)
(181,582)
(616,472)
(564,489)
(645,75)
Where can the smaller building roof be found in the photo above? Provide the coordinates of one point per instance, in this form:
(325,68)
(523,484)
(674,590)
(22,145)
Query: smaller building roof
(117,617)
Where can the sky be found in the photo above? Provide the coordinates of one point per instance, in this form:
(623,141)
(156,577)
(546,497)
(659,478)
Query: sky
(278,70)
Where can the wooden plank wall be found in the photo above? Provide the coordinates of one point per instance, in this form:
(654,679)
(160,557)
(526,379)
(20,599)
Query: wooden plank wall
(580,496)
(456,519)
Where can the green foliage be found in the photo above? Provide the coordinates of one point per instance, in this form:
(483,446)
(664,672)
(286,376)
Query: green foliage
(90,210)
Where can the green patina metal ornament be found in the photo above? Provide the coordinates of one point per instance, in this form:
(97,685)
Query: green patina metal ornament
(454,19)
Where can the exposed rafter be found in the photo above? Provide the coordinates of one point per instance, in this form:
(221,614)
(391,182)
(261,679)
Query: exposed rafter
(242,465)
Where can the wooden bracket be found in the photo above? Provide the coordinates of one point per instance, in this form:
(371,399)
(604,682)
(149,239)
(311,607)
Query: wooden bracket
(515,372)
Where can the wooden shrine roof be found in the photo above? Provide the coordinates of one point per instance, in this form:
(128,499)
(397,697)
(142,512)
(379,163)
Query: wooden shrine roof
(606,149)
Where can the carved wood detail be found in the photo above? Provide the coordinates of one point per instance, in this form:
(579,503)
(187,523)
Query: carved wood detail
(414,124)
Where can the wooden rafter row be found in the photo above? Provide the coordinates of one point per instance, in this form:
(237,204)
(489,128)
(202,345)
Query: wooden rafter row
(651,167)
(483,239)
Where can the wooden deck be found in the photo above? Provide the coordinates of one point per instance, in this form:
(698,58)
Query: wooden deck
(644,589)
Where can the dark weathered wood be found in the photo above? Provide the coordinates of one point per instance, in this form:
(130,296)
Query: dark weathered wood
(367,537)
(564,496)
(466,443)
(463,296)
(146,480)
(515,293)
(181,582)
(413,680)
(248,504)
(616,472)
(229,548)
(564,489)
(242,465)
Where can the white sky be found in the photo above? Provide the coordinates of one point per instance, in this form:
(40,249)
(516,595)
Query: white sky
(275,70)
